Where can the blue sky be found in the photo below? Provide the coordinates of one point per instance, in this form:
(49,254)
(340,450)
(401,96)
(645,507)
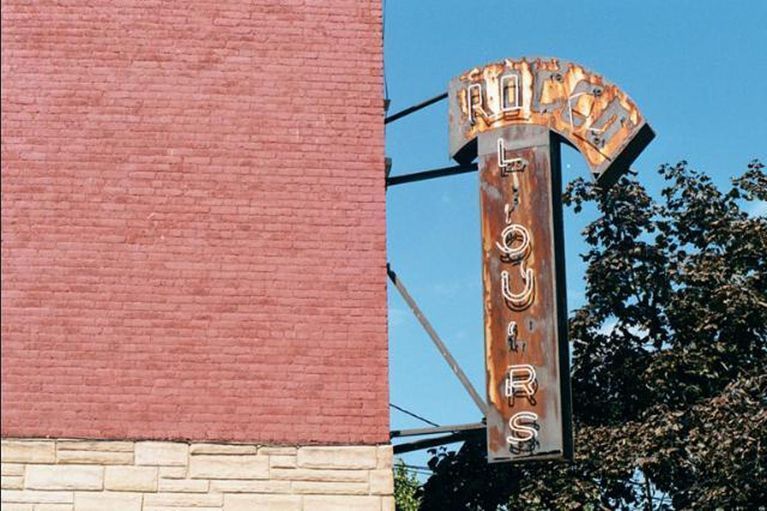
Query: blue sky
(696,69)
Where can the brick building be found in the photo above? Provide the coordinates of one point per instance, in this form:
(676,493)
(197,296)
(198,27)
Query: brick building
(193,256)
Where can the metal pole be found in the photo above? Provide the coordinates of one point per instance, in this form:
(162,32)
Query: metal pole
(452,362)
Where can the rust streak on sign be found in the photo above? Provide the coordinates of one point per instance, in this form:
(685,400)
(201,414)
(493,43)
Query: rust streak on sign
(527,387)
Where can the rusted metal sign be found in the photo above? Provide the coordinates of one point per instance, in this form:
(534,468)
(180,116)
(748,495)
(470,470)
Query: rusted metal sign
(593,115)
(512,116)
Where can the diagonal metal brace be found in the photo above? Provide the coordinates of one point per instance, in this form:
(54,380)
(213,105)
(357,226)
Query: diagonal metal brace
(452,362)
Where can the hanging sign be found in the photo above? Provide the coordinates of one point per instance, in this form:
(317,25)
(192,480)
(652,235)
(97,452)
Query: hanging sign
(512,116)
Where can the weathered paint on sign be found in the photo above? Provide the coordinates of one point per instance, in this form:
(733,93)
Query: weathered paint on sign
(593,115)
(527,379)
(511,115)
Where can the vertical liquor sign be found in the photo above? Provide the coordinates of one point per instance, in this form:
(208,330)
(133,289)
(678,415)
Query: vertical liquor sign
(511,116)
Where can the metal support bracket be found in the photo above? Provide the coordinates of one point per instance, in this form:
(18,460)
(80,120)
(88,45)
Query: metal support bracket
(430,174)
(414,108)
(438,429)
(441,347)
(425,443)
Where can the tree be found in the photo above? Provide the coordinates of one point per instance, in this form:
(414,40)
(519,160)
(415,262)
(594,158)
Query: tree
(406,488)
(669,361)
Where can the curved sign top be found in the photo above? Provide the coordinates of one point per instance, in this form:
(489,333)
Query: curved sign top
(592,114)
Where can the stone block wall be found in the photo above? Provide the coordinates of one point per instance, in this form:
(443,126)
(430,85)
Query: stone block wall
(79,475)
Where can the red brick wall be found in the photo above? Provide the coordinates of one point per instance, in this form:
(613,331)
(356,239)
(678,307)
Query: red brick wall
(193,220)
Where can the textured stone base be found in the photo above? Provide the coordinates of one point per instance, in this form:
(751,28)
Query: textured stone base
(79,475)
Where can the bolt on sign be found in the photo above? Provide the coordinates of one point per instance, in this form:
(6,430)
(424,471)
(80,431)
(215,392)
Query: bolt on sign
(512,116)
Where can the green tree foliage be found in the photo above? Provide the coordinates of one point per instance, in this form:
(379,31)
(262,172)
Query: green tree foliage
(670,361)
(406,489)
